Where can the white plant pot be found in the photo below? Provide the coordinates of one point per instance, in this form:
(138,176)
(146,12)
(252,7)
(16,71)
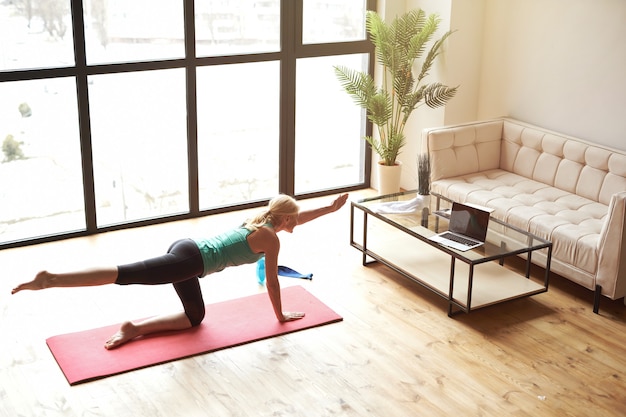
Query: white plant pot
(389,178)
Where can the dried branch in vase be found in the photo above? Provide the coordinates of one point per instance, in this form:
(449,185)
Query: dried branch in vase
(423,174)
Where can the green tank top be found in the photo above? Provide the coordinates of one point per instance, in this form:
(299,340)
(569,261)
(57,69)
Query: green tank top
(227,249)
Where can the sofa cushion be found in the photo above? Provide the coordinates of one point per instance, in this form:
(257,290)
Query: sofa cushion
(572,222)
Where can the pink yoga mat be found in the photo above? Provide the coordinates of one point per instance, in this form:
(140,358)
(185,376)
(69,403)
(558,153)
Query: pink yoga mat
(82,356)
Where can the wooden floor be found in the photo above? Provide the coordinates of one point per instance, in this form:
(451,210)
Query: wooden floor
(395,354)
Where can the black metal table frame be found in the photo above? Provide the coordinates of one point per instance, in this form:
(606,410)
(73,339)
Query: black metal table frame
(452,303)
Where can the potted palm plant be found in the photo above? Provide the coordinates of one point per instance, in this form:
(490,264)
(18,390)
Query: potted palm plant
(398,46)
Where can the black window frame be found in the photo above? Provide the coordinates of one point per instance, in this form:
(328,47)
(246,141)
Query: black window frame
(291,49)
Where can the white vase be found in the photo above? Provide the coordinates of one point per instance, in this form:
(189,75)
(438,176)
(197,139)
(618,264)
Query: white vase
(389,178)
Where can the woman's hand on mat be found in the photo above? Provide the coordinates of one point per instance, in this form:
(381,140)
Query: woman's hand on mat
(291,316)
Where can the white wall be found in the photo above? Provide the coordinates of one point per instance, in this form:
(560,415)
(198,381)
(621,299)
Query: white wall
(458,65)
(425,116)
(422,117)
(560,64)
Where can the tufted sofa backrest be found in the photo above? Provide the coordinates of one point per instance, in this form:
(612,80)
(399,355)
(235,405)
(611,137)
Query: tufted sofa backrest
(566,163)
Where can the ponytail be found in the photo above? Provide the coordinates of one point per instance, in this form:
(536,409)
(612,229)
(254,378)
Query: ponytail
(282,205)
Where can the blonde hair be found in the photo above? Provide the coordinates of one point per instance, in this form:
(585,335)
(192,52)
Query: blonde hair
(278,207)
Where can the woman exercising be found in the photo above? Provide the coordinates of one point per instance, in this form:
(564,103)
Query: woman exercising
(189,259)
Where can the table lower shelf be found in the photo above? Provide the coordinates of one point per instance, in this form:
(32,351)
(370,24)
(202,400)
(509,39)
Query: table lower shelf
(430,267)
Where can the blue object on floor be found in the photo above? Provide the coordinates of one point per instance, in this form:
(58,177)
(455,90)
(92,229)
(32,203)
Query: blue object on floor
(284,271)
(260,270)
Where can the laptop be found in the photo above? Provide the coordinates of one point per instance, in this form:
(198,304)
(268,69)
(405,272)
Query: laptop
(468,228)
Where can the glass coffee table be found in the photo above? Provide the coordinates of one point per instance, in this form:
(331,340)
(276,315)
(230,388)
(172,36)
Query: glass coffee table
(395,229)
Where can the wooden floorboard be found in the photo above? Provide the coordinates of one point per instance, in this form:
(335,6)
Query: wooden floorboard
(396,353)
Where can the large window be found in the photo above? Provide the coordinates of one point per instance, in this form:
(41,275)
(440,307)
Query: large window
(237,27)
(238,131)
(329,148)
(138,133)
(130,31)
(41,188)
(117,113)
(333,21)
(35,34)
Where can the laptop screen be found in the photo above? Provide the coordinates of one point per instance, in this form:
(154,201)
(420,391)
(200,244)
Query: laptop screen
(469,221)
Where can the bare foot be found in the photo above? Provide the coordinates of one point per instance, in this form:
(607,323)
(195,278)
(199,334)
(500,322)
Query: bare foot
(40,282)
(127,332)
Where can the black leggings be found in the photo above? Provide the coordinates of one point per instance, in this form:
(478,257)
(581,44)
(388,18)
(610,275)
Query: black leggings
(180,266)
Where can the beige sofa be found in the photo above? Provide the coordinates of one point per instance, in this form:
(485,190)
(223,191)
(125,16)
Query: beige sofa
(557,187)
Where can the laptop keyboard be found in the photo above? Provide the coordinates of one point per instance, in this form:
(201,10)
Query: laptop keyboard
(458,239)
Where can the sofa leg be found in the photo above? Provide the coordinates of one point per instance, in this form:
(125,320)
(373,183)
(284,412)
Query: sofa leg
(596,299)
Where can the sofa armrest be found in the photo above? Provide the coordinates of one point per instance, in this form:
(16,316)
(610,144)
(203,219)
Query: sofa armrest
(612,249)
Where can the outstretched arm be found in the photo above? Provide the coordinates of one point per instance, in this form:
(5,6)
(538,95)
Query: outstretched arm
(308,215)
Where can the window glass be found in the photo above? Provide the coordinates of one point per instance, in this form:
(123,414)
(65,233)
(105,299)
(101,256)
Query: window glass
(138,123)
(41,187)
(238,116)
(137,30)
(231,27)
(329,126)
(35,34)
(139,136)
(325,21)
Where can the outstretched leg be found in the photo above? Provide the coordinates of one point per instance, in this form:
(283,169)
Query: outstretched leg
(86,278)
(182,266)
